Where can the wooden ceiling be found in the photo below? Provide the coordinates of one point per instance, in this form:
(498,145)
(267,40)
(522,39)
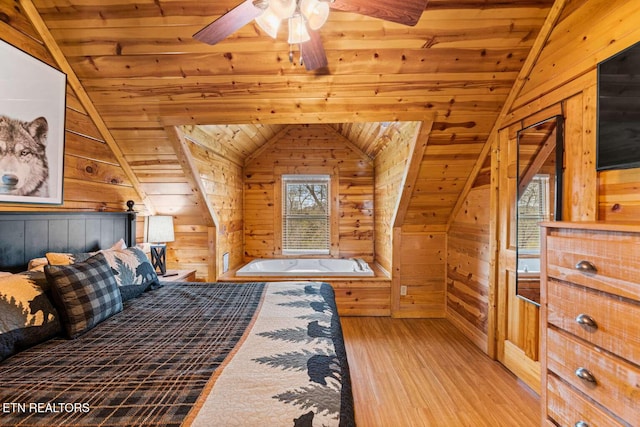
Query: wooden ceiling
(138,63)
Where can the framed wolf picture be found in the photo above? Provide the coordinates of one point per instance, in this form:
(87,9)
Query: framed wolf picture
(32,126)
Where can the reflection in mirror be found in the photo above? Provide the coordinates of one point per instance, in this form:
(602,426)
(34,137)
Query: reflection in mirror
(540,152)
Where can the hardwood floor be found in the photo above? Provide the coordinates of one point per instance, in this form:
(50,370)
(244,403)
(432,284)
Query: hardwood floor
(424,372)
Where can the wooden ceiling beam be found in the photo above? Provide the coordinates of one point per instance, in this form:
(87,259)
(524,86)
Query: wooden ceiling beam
(144,40)
(196,14)
(392,61)
(452,112)
(213,88)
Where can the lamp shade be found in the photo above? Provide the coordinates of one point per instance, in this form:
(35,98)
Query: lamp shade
(298,32)
(283,8)
(269,22)
(159,229)
(316,12)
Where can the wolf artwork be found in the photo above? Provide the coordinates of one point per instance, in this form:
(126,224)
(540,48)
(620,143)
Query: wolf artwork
(24,170)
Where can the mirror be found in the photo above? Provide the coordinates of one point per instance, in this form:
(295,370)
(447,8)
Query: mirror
(540,153)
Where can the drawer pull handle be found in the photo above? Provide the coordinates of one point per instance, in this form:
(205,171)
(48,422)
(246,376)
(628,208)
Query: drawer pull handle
(586,320)
(581,424)
(586,267)
(585,375)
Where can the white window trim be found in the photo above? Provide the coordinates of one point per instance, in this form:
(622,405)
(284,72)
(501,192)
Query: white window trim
(304,178)
(332,171)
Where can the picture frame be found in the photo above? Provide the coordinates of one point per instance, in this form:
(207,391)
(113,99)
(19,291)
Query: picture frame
(32,128)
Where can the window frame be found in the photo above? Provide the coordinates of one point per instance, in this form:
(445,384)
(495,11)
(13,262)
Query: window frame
(280,174)
(543,195)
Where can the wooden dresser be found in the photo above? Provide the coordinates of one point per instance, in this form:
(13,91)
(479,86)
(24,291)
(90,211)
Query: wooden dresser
(590,324)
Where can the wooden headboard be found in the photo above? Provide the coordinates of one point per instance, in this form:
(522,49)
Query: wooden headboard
(27,235)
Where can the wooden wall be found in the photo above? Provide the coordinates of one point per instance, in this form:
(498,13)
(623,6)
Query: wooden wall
(309,149)
(93,176)
(421,267)
(390,165)
(469,262)
(415,256)
(563,79)
(222,184)
(588,32)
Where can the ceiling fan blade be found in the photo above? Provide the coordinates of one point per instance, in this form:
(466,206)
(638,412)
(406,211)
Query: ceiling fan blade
(405,12)
(312,52)
(228,23)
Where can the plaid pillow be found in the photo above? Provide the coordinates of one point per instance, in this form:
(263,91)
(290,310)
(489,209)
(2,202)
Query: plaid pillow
(86,293)
(133,270)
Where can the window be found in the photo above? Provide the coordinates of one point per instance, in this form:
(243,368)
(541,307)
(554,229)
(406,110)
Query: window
(533,207)
(306,222)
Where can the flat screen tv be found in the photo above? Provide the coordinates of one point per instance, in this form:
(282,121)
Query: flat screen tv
(618,145)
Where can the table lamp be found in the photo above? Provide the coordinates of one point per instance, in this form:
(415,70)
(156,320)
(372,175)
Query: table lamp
(158,232)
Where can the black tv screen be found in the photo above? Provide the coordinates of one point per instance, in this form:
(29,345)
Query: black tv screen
(618,145)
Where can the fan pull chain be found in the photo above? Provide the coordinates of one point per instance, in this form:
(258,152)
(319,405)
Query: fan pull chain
(291,55)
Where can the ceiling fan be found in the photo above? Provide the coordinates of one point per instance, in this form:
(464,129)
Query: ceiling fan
(305,17)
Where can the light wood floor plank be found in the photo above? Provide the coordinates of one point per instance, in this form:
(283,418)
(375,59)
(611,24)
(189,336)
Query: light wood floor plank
(424,372)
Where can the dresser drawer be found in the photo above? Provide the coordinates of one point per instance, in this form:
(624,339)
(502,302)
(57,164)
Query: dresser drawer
(567,407)
(611,382)
(617,319)
(607,262)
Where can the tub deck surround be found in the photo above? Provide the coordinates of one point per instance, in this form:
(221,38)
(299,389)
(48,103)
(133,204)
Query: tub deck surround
(355,296)
(296,267)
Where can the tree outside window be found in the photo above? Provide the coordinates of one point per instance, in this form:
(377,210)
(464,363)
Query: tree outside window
(533,208)
(306,214)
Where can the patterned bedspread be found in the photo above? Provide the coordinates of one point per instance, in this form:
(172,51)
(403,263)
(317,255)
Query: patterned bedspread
(192,353)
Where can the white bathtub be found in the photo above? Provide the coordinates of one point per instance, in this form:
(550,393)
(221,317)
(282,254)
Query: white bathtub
(304,267)
(529,265)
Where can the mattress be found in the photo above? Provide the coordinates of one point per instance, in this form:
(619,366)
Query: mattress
(192,354)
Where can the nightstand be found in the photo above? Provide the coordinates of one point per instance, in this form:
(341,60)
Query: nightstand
(178,276)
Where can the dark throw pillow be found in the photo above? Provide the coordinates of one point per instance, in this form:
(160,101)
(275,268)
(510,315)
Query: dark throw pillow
(133,270)
(27,316)
(86,293)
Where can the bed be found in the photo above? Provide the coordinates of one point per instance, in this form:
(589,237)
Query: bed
(204,354)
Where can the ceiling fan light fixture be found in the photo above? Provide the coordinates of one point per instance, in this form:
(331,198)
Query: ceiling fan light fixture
(261,4)
(305,18)
(283,8)
(298,32)
(316,12)
(269,22)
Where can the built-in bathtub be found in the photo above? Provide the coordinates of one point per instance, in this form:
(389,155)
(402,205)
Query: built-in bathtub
(529,265)
(306,267)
